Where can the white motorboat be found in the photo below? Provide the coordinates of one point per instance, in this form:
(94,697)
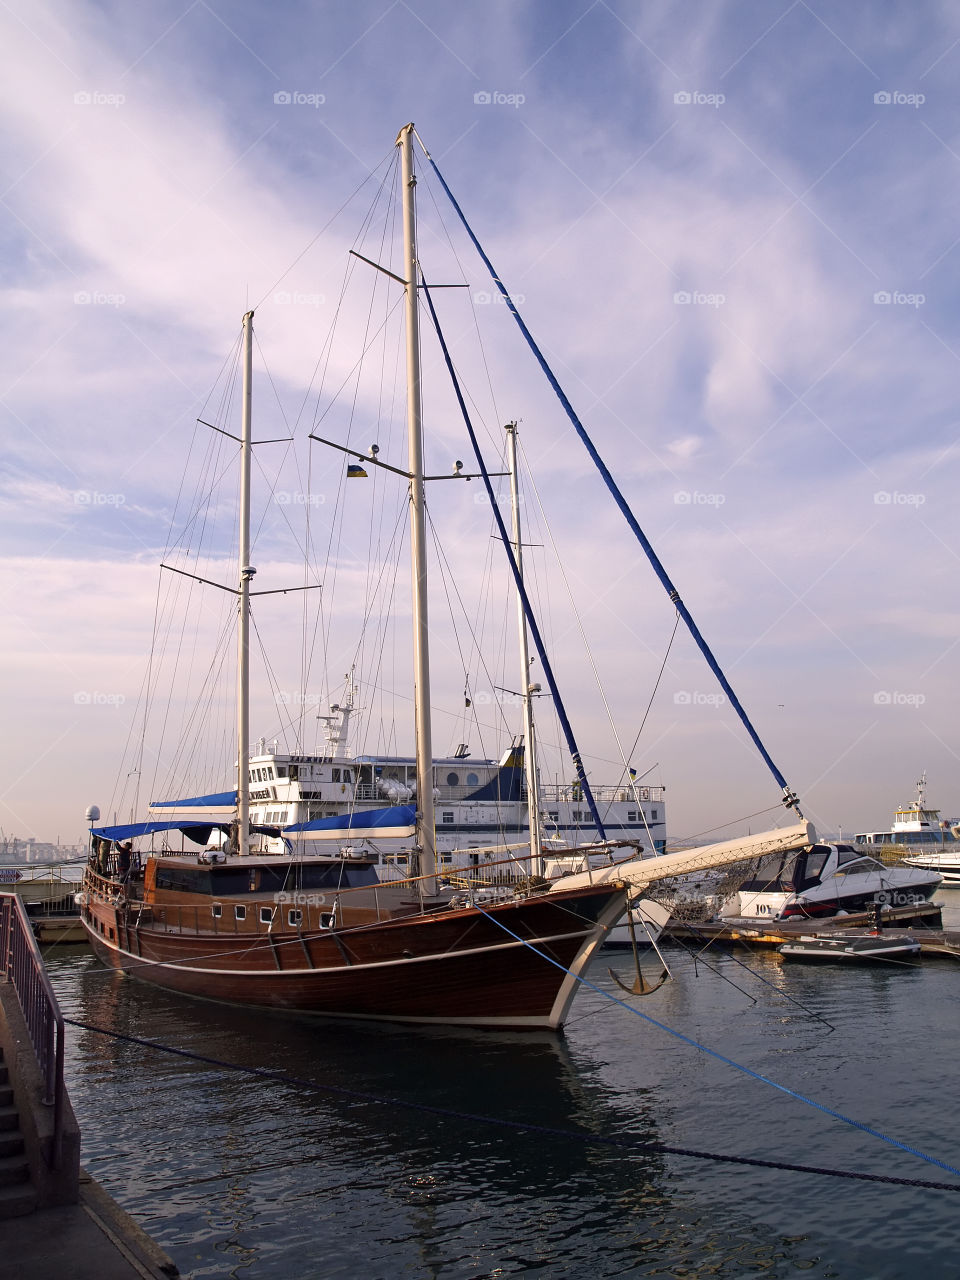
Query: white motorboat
(825,879)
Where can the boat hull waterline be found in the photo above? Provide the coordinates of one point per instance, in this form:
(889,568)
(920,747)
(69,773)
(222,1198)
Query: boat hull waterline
(454,967)
(514,964)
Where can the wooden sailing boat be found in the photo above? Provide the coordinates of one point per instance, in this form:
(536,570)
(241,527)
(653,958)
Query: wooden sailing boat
(323,935)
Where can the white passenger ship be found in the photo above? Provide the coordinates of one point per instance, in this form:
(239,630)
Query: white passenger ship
(481,805)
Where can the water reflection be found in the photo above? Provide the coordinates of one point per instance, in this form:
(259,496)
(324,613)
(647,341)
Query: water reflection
(250,1177)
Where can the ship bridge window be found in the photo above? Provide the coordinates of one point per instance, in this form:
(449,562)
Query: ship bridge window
(632,816)
(240,913)
(347,776)
(653,815)
(336,775)
(281,770)
(448,817)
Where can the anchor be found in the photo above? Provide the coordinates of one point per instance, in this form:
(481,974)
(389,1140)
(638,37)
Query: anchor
(641,987)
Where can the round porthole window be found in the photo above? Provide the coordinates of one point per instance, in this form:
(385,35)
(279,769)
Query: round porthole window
(453,779)
(472,779)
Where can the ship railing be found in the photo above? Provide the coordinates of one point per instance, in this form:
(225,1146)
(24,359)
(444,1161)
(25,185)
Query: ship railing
(509,873)
(550,793)
(22,966)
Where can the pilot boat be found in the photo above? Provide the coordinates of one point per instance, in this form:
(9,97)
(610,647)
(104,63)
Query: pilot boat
(923,838)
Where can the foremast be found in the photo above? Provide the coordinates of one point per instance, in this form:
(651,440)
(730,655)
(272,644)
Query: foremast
(243,596)
(426,824)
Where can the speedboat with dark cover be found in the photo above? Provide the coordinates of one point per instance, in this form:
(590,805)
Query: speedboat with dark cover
(826,879)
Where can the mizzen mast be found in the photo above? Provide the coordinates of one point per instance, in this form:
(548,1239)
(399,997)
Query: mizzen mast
(527,689)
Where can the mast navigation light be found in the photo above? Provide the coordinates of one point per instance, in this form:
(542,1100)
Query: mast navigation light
(457,467)
(374,450)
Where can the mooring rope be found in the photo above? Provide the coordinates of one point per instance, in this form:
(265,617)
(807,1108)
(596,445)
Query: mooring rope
(636,1145)
(713,1053)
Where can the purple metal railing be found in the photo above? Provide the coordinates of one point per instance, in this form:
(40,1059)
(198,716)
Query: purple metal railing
(22,965)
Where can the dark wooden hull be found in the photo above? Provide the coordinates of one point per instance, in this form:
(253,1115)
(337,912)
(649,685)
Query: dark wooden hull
(467,967)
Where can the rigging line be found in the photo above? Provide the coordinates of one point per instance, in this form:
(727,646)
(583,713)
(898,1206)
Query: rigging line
(326,349)
(773,808)
(638,1145)
(518,579)
(326,226)
(656,686)
(719,1057)
(445,563)
(789,798)
(698,957)
(624,759)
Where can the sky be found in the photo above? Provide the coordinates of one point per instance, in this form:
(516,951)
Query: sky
(732,229)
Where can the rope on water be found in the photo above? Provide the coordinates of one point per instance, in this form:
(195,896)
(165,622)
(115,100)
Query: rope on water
(713,1053)
(637,1145)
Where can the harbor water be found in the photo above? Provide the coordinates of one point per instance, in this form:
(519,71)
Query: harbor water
(395,1152)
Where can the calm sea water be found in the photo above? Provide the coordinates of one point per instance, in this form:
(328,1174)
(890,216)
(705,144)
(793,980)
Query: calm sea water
(242,1177)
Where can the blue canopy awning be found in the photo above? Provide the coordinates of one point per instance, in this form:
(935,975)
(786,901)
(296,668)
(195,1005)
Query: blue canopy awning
(132,829)
(398,820)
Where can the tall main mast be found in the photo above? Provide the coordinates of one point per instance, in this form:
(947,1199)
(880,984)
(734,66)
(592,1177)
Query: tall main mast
(426,825)
(243,596)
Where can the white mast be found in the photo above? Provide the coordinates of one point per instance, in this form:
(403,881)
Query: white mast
(246,573)
(526,688)
(426,832)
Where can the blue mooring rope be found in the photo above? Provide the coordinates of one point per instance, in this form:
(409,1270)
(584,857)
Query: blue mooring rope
(702,1048)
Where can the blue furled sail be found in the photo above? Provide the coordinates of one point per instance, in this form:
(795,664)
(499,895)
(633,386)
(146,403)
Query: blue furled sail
(398,820)
(217,808)
(198,831)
